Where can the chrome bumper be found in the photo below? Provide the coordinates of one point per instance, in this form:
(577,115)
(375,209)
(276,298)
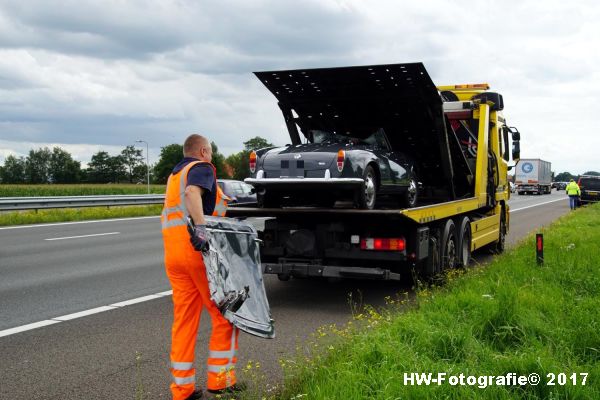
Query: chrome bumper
(303,181)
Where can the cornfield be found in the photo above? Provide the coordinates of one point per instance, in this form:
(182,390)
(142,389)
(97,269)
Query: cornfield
(77,190)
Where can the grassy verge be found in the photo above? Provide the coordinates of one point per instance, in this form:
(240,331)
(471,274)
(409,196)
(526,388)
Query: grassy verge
(77,214)
(511,316)
(77,190)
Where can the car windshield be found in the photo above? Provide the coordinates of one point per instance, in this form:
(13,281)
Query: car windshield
(377,138)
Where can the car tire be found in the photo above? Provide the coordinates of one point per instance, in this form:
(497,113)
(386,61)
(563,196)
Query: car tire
(411,195)
(367,195)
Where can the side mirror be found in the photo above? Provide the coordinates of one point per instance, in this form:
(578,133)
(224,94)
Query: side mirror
(516,150)
(516,135)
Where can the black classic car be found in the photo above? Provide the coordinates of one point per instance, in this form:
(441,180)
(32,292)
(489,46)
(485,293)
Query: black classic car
(355,133)
(331,167)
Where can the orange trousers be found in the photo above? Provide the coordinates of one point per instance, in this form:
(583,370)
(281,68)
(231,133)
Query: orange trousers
(187,274)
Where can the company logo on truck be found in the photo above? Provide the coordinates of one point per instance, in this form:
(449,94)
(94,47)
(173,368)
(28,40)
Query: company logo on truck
(527,167)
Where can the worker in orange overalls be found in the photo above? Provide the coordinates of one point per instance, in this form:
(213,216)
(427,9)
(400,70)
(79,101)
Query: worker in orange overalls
(192,190)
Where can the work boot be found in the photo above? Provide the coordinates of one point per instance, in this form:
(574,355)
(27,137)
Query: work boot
(197,394)
(233,389)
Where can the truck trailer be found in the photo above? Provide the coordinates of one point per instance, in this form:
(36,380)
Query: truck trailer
(458,136)
(533,176)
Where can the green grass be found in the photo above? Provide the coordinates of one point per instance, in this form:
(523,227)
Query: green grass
(510,316)
(77,190)
(77,214)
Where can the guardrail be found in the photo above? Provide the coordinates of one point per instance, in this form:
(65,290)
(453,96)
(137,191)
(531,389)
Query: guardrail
(35,203)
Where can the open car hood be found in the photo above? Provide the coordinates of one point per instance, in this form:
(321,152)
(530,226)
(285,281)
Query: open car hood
(235,277)
(401,99)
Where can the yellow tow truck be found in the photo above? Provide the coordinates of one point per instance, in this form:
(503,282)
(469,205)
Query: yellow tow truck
(461,135)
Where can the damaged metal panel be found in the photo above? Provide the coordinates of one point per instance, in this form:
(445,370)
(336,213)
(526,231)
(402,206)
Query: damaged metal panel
(235,276)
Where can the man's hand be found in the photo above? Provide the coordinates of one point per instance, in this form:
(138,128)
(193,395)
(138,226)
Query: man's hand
(198,236)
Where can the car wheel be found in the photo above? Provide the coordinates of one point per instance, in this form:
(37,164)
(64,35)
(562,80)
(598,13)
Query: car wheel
(368,193)
(411,195)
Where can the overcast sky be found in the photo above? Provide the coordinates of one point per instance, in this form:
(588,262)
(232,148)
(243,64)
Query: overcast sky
(97,75)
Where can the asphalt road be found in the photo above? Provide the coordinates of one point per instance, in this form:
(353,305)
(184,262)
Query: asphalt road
(107,355)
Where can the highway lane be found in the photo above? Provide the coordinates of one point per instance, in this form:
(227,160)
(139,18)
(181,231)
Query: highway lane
(95,356)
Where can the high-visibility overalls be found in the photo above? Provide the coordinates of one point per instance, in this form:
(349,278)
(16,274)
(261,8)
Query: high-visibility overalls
(186,272)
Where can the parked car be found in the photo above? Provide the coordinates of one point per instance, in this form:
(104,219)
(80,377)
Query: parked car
(561,185)
(590,188)
(331,167)
(238,191)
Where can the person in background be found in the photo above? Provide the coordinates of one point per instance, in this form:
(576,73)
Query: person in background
(573,192)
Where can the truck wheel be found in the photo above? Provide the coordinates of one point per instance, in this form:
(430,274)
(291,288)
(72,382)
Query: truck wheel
(368,192)
(464,243)
(267,200)
(411,195)
(449,246)
(501,244)
(430,267)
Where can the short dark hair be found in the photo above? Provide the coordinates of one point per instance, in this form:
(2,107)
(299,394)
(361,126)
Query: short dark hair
(192,143)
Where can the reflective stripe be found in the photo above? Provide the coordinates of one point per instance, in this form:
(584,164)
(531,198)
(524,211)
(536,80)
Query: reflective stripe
(182,366)
(179,221)
(220,369)
(173,222)
(220,208)
(184,381)
(221,354)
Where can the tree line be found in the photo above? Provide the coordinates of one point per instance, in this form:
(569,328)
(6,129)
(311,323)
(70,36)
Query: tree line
(567,176)
(57,165)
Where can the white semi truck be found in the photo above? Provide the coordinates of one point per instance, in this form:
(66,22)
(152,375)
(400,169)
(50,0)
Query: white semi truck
(533,176)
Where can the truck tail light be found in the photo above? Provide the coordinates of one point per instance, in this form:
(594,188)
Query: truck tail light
(252,159)
(341,157)
(383,244)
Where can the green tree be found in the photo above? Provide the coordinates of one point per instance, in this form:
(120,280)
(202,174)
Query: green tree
(564,177)
(104,168)
(256,143)
(132,159)
(593,173)
(118,171)
(13,170)
(218,160)
(37,166)
(170,155)
(62,167)
(99,169)
(240,162)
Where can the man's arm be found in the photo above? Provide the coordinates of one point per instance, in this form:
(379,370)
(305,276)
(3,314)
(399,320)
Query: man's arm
(193,203)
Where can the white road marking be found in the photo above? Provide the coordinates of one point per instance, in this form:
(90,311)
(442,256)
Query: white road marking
(135,301)
(539,204)
(84,236)
(23,328)
(76,222)
(84,313)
